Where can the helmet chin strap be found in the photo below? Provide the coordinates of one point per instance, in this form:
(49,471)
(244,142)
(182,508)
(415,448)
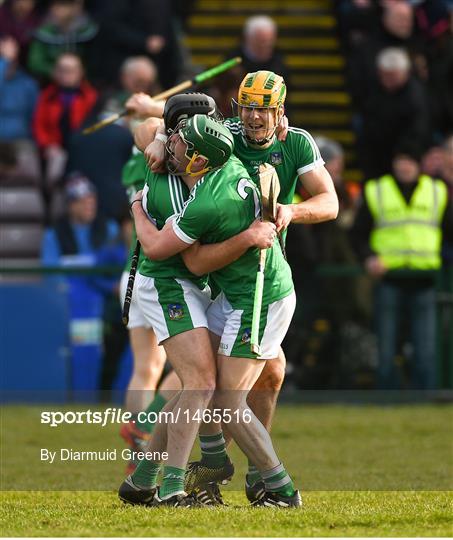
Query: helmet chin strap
(188,170)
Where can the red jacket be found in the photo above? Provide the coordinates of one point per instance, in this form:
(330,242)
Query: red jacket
(49,109)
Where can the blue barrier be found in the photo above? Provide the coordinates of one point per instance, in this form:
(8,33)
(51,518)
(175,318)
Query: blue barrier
(34,342)
(51,341)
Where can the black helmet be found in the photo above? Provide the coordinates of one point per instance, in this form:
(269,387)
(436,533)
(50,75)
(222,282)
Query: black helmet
(182,106)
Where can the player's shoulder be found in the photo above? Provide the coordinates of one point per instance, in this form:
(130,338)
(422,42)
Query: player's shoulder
(296,133)
(302,140)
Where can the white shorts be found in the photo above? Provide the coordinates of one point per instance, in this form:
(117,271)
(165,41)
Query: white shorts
(136,317)
(172,306)
(234,327)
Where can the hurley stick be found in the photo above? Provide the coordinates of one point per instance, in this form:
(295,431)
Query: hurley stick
(130,283)
(198,79)
(270,188)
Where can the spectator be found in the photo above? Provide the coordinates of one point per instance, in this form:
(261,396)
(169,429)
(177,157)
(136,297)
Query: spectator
(101,156)
(431,163)
(62,107)
(67,29)
(80,234)
(357,20)
(258,48)
(137,28)
(18,95)
(394,114)
(399,227)
(18,19)
(395,29)
(138,74)
(438,60)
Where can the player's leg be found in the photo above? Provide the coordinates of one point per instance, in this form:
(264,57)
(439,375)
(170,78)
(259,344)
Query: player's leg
(149,360)
(169,386)
(238,371)
(194,362)
(235,377)
(176,310)
(262,400)
(148,364)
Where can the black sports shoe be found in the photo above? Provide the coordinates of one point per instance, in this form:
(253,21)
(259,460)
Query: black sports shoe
(198,475)
(255,491)
(181,499)
(132,494)
(275,500)
(208,495)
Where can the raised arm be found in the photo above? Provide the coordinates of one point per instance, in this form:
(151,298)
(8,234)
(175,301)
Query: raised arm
(201,259)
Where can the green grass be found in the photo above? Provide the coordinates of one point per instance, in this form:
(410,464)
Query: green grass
(363,471)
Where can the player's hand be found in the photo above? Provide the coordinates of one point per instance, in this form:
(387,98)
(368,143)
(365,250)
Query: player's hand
(375,267)
(143,106)
(262,234)
(155,156)
(284,216)
(282,128)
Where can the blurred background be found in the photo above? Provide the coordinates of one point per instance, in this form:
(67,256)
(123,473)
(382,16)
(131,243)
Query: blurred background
(371,80)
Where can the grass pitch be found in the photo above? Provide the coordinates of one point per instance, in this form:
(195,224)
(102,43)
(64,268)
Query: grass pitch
(363,471)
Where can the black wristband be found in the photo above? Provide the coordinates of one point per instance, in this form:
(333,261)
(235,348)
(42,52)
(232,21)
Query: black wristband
(134,201)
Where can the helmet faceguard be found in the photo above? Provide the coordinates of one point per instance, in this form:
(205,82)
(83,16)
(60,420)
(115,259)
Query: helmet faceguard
(260,105)
(203,137)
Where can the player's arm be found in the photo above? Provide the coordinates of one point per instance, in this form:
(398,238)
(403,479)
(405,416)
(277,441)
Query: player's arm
(202,259)
(321,206)
(156,244)
(145,133)
(323,203)
(143,106)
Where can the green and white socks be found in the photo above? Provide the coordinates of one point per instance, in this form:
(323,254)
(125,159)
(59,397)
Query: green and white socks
(213,450)
(278,481)
(253,475)
(172,482)
(145,475)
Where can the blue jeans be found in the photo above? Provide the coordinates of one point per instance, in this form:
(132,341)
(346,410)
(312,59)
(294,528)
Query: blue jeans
(392,303)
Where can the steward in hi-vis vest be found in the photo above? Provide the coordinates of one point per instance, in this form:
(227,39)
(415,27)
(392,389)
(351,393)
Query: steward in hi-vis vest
(398,232)
(407,234)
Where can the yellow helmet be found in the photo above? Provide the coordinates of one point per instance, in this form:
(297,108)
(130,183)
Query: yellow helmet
(262,89)
(260,94)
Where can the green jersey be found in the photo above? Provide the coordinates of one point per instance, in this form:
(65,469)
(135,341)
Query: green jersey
(291,158)
(163,198)
(222,204)
(133,179)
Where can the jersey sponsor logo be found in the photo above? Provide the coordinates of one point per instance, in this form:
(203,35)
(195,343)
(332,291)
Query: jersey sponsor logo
(276,158)
(246,335)
(175,312)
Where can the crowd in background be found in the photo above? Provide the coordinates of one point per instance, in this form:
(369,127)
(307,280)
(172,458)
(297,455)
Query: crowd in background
(65,64)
